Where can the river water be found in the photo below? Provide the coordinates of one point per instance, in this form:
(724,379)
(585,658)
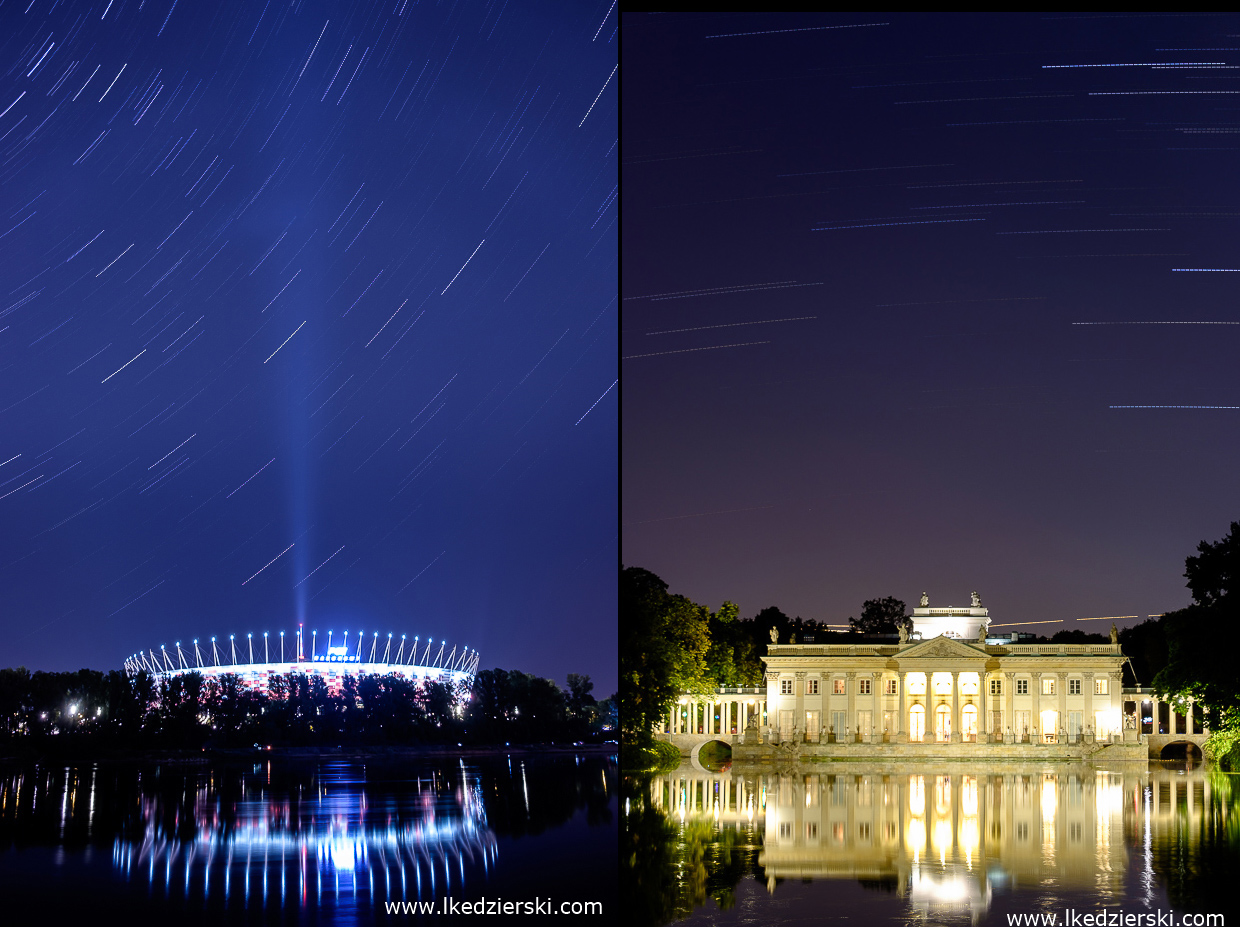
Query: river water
(948,843)
(307,841)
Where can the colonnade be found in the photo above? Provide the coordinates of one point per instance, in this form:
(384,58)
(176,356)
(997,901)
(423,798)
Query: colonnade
(1172,715)
(723,715)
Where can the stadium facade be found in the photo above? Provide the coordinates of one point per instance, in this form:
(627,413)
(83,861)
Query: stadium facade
(333,658)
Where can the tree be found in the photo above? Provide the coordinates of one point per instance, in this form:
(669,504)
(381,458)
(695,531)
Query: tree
(1198,667)
(662,651)
(761,624)
(880,616)
(732,659)
(1214,575)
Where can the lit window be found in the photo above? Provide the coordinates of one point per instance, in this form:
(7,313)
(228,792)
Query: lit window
(1048,687)
(1022,687)
(996,687)
(1074,687)
(891,687)
(838,686)
(1101,686)
(812,687)
(865,687)
(785,687)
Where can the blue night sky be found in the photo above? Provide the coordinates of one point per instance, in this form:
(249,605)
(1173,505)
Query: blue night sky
(308,314)
(930,301)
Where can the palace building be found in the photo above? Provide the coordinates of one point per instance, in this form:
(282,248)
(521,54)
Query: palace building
(948,680)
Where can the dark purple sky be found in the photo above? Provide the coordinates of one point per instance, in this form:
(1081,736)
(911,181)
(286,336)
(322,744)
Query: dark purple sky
(325,288)
(859,255)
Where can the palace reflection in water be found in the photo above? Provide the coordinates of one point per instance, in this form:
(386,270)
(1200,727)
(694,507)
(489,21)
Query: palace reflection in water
(949,840)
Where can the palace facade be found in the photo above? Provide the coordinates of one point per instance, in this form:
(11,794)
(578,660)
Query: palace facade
(946,681)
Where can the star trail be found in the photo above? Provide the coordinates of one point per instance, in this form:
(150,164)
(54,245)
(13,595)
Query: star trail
(280,280)
(999,248)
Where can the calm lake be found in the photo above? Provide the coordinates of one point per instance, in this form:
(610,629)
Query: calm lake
(948,843)
(307,840)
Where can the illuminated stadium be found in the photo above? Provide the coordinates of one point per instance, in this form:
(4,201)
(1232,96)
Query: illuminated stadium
(256,661)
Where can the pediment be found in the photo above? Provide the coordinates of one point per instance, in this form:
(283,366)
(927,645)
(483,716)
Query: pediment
(940,648)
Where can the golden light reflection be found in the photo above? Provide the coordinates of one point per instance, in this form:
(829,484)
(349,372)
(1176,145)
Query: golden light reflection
(970,837)
(917,795)
(943,795)
(915,835)
(941,839)
(1050,796)
(968,795)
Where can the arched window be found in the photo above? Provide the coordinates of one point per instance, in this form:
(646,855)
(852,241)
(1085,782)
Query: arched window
(968,723)
(943,723)
(916,723)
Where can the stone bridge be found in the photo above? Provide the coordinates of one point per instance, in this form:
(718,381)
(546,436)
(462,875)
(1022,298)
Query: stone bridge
(1157,742)
(691,745)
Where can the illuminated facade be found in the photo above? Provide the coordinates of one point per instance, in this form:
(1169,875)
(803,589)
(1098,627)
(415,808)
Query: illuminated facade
(331,660)
(948,681)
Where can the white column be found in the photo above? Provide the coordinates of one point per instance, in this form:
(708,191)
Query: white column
(957,736)
(1036,685)
(1087,684)
(1062,720)
(900,701)
(1009,710)
(850,717)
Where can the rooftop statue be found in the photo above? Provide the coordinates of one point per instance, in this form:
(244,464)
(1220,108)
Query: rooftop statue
(1114,633)
(983,628)
(977,600)
(925,600)
(774,636)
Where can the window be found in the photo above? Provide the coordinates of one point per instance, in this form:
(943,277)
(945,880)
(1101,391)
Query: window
(864,687)
(811,830)
(1074,687)
(1048,687)
(811,687)
(891,687)
(996,687)
(1022,687)
(785,687)
(1101,686)
(837,686)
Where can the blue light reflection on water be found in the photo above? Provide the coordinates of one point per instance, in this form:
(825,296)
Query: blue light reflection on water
(303,840)
(432,841)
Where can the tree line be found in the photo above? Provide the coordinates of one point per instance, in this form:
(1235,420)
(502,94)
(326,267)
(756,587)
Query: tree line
(117,709)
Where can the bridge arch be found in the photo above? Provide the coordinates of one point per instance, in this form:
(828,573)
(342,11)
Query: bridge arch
(695,752)
(1181,750)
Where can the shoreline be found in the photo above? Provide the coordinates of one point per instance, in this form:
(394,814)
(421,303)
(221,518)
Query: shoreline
(208,755)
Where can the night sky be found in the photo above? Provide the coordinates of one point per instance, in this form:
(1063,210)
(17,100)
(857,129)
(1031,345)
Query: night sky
(309,315)
(930,302)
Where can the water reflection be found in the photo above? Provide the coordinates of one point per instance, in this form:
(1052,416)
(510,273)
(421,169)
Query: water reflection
(948,842)
(297,837)
(294,848)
